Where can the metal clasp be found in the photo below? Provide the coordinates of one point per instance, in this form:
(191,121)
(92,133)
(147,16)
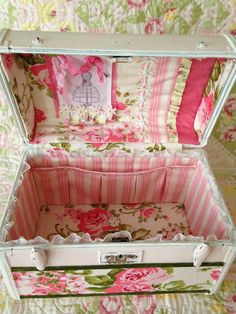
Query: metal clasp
(121,257)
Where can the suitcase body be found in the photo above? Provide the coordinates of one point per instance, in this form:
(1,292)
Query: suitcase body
(114,194)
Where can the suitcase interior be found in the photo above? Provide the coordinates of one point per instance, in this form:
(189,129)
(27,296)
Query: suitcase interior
(117,181)
(161,195)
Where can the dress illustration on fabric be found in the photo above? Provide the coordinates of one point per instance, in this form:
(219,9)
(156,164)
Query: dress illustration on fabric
(86,93)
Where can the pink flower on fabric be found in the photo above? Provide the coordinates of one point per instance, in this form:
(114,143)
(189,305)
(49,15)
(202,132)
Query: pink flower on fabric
(40,291)
(95,221)
(8,60)
(142,275)
(231,304)
(215,274)
(230,135)
(147,212)
(39,115)
(137,4)
(96,145)
(130,287)
(230,107)
(111,305)
(94,137)
(114,136)
(43,280)
(76,284)
(18,277)
(154,25)
(119,106)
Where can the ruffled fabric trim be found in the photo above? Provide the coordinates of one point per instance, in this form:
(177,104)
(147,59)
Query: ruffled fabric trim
(85,238)
(9,212)
(176,99)
(105,149)
(149,69)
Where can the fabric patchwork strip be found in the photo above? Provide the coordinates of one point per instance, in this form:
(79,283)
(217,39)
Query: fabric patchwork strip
(176,98)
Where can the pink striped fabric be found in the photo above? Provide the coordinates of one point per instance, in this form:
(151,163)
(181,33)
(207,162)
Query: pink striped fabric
(202,211)
(26,211)
(118,188)
(114,83)
(177,180)
(94,180)
(54,185)
(165,76)
(198,78)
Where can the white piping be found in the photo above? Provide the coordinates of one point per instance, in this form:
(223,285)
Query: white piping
(8,278)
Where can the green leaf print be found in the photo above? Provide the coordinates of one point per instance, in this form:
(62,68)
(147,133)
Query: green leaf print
(138,17)
(196,13)
(83,13)
(174,285)
(169,270)
(99,280)
(98,289)
(114,272)
(140,234)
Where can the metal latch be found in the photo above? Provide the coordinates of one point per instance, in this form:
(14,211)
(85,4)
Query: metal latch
(121,257)
(120,239)
(120,59)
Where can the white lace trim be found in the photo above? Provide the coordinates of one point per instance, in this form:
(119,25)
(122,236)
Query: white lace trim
(87,114)
(85,238)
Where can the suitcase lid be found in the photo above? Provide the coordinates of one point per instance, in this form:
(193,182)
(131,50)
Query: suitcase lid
(178,86)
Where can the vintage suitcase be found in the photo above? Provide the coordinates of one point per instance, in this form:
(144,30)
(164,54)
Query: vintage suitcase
(114,194)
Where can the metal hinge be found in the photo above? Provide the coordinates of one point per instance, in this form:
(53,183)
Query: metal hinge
(122,59)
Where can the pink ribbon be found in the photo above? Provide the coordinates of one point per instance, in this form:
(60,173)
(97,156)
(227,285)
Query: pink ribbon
(87,66)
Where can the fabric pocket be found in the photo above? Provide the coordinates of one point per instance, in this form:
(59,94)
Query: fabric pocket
(149,185)
(85,186)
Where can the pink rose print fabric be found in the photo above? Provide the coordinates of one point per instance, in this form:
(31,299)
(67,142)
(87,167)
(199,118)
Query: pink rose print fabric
(138,279)
(143,221)
(84,281)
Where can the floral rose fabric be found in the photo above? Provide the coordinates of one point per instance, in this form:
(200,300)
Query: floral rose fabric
(108,280)
(143,221)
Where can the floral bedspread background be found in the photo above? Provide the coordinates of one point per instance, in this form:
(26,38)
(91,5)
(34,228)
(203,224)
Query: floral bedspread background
(132,16)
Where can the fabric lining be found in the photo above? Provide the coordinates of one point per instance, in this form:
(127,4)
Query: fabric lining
(61,180)
(143,101)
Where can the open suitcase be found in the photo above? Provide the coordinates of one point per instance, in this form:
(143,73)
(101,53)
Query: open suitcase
(114,194)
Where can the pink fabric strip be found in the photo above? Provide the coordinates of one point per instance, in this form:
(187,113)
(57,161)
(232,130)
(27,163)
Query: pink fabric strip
(164,81)
(198,78)
(45,181)
(221,229)
(20,222)
(32,199)
(211,220)
(53,85)
(12,234)
(24,213)
(203,212)
(155,103)
(114,83)
(27,205)
(196,199)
